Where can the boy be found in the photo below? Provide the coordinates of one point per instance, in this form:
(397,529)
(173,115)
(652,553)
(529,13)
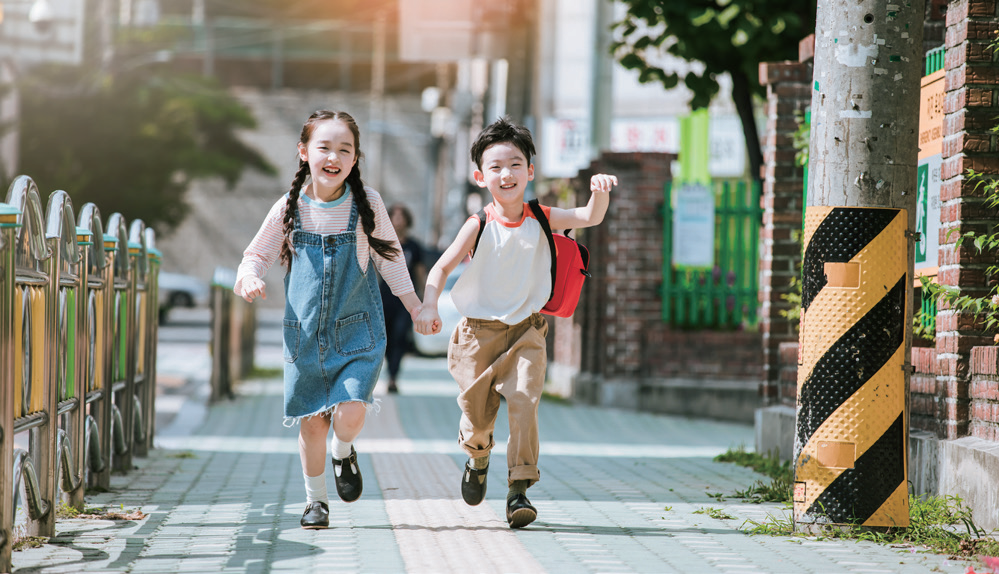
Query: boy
(498,348)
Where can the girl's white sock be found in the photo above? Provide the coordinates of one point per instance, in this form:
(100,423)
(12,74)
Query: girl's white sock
(341,450)
(315,489)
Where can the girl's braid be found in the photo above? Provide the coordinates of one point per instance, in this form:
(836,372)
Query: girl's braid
(287,249)
(382,247)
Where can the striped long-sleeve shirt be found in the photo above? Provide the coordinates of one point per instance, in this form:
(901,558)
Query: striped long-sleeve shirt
(326,218)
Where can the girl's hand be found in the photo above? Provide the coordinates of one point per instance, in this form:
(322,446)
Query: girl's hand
(428,322)
(253,288)
(414,313)
(602,183)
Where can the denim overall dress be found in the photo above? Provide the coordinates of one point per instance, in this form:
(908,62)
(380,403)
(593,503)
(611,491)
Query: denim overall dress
(334,330)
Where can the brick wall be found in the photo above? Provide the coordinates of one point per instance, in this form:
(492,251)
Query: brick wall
(984,393)
(925,407)
(788,92)
(971,90)
(787,367)
(703,354)
(621,332)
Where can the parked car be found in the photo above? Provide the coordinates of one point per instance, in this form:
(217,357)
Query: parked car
(436,345)
(179,290)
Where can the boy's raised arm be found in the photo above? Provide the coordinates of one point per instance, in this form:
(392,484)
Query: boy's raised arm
(590,214)
(428,321)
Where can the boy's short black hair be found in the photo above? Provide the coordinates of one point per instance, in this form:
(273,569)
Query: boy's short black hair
(501,131)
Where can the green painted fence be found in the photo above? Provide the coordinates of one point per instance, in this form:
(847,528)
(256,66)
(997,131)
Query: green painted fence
(935,60)
(725,296)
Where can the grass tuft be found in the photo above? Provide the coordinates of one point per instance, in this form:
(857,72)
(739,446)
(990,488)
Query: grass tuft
(66,511)
(716,513)
(781,485)
(184,454)
(940,524)
(22,541)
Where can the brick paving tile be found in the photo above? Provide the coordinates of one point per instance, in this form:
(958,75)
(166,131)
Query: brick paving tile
(619,493)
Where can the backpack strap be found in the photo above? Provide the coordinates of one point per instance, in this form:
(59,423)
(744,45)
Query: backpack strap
(481,215)
(539,214)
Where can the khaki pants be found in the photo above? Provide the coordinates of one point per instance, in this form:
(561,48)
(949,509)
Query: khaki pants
(490,359)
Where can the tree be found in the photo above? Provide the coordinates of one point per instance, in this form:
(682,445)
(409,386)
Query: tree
(727,36)
(132,142)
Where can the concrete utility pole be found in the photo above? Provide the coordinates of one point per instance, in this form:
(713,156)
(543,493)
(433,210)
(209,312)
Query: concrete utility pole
(602,82)
(852,420)
(374,164)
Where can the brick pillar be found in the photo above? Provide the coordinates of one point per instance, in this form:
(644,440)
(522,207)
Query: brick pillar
(622,300)
(970,112)
(788,91)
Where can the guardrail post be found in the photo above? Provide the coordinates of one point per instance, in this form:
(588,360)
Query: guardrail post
(221,301)
(138,341)
(44,440)
(101,409)
(8,225)
(152,324)
(247,334)
(76,418)
(123,384)
(98,334)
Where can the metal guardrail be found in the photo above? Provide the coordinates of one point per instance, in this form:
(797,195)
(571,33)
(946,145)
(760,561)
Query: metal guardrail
(78,329)
(234,327)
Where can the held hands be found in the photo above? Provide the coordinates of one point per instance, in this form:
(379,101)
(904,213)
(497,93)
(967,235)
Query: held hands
(253,288)
(602,183)
(428,321)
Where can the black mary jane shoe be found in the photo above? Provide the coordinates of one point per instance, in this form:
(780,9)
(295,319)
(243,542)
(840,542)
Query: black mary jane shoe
(519,512)
(317,516)
(473,484)
(348,477)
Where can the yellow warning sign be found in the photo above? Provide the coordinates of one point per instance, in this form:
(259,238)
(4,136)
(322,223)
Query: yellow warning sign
(850,449)
(931,100)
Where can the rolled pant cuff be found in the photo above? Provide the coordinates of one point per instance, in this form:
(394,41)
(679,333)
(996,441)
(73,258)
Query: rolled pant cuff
(473,452)
(527,472)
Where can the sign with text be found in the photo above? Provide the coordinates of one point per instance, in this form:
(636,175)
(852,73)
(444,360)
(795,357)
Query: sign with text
(565,147)
(726,142)
(639,134)
(693,226)
(931,96)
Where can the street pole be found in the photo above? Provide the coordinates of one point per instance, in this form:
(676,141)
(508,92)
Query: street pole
(856,320)
(377,122)
(602,81)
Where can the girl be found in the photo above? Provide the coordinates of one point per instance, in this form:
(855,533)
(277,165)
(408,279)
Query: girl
(327,233)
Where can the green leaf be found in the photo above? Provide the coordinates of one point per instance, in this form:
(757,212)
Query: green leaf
(642,43)
(705,17)
(632,61)
(726,15)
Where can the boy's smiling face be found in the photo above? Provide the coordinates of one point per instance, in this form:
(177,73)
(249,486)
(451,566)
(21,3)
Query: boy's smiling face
(505,172)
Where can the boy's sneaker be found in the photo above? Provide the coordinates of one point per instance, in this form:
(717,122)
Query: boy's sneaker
(473,484)
(317,516)
(519,512)
(348,477)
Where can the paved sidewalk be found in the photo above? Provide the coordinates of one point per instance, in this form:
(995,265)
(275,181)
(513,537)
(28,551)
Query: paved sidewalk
(224,493)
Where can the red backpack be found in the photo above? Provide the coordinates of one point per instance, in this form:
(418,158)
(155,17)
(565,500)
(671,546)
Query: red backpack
(570,260)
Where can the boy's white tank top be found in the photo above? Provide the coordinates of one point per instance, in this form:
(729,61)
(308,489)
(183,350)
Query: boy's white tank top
(509,277)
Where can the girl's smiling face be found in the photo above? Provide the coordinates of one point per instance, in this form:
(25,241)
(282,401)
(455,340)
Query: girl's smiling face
(331,153)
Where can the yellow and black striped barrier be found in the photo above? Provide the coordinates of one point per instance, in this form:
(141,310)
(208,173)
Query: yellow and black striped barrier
(850,442)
